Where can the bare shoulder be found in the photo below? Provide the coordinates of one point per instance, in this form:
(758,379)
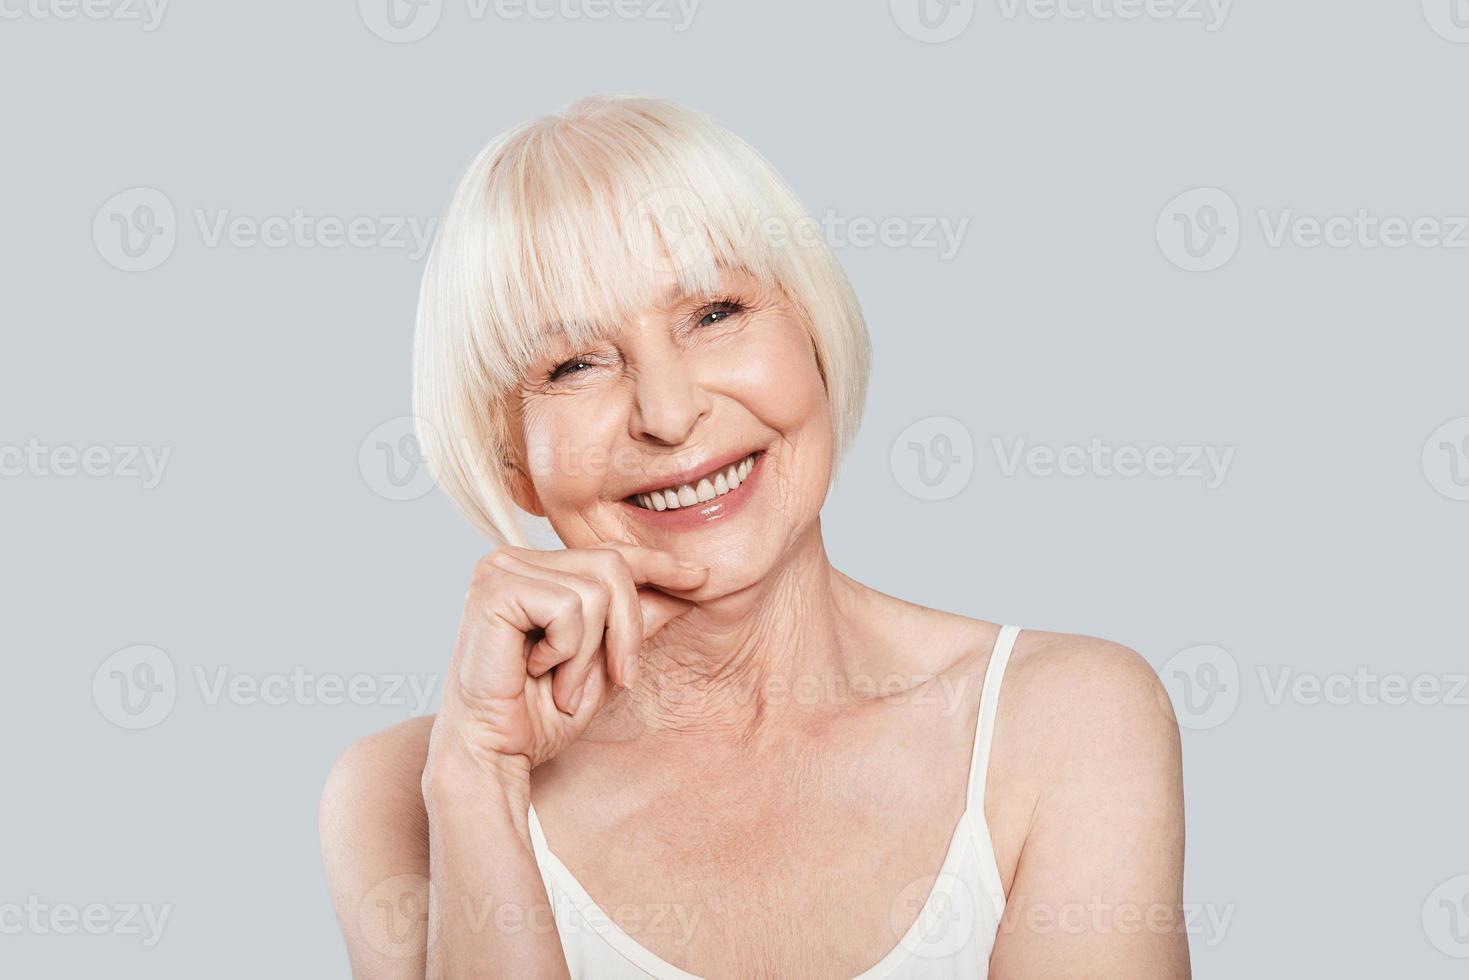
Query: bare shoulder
(1086,763)
(1057,687)
(1078,684)
(377,773)
(1087,805)
(374,837)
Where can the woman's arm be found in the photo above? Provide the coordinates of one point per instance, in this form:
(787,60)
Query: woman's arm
(489,915)
(374,843)
(1099,884)
(395,831)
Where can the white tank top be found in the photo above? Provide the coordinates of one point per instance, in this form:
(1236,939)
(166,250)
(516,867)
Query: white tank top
(951,938)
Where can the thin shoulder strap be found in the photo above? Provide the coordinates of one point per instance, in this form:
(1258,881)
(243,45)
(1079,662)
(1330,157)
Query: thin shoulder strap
(989,699)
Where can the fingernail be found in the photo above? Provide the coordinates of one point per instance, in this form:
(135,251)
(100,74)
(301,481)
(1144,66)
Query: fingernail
(574,702)
(693,566)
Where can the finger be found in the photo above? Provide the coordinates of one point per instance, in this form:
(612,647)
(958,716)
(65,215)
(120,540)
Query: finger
(623,620)
(653,566)
(659,609)
(499,614)
(643,566)
(648,570)
(569,680)
(624,637)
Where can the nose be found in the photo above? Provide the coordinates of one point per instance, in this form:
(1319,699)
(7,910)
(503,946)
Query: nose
(668,401)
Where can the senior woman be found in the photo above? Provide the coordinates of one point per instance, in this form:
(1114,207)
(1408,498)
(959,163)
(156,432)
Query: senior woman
(684,744)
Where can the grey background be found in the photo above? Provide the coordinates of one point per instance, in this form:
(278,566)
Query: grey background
(268,546)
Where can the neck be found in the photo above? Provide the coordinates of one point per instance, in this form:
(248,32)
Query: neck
(737,665)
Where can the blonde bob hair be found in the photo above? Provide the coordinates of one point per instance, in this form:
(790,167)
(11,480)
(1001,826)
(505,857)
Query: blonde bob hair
(565,223)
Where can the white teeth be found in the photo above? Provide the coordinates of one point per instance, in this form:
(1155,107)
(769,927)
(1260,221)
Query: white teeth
(707,488)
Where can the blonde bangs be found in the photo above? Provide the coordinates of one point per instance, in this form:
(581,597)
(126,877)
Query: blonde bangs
(584,221)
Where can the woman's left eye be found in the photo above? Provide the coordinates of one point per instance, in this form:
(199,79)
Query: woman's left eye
(718,312)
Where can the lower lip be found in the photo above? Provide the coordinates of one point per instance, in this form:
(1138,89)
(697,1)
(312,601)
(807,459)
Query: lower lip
(709,512)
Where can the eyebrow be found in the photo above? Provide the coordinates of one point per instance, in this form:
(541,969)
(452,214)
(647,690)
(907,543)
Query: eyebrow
(559,330)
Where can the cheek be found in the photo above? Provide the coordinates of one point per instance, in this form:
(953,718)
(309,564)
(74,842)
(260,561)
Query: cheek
(779,381)
(567,445)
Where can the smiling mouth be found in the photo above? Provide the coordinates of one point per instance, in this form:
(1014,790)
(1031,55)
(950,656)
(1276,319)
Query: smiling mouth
(710,486)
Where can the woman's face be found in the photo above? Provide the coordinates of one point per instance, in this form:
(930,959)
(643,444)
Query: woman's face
(685,389)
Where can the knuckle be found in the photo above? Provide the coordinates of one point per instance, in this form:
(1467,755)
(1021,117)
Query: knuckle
(598,591)
(616,567)
(491,562)
(568,603)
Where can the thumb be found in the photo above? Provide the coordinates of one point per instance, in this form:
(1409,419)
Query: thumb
(659,609)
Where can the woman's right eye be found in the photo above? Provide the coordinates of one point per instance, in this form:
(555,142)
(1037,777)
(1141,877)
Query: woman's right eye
(575,366)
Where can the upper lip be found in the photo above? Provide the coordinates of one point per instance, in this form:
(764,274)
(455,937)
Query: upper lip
(692,473)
